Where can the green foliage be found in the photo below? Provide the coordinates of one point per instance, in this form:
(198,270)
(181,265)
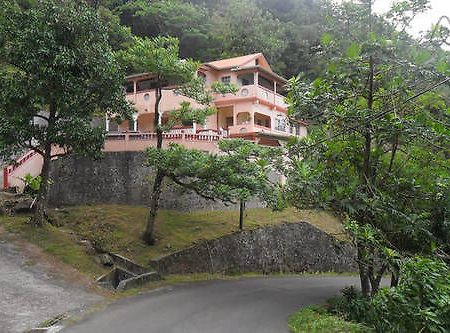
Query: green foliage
(183,20)
(119,36)
(377,152)
(224,88)
(420,302)
(241,27)
(61,72)
(352,305)
(285,31)
(161,57)
(240,171)
(32,183)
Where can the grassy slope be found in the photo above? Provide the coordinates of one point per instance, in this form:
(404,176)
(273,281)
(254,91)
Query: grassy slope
(118,228)
(316,320)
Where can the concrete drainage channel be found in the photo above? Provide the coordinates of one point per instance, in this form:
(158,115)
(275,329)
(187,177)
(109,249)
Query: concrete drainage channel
(126,274)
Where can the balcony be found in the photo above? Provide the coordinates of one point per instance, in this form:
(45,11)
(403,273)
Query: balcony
(138,141)
(262,93)
(144,101)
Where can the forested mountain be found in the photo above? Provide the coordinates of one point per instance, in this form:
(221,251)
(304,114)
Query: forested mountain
(288,32)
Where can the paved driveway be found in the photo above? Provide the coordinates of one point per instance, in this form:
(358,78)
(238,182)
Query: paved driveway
(30,293)
(250,305)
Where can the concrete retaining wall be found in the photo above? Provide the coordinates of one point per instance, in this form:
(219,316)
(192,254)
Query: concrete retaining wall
(119,178)
(289,247)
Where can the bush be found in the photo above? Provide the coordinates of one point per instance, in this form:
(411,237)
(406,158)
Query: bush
(420,303)
(351,306)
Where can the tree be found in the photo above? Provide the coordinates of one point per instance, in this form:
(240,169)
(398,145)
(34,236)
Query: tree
(376,152)
(61,73)
(160,57)
(241,170)
(241,27)
(187,22)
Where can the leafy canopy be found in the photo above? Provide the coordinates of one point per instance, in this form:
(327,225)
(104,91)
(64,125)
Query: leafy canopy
(61,73)
(241,170)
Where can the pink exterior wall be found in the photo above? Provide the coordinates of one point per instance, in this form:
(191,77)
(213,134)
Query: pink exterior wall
(30,163)
(252,101)
(144,101)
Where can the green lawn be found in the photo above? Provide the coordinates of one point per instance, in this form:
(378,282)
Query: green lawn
(314,319)
(118,229)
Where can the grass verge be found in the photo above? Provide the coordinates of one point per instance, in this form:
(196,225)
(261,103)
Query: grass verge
(315,319)
(117,228)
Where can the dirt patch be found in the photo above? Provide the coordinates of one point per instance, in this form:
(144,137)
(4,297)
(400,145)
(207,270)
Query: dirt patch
(36,287)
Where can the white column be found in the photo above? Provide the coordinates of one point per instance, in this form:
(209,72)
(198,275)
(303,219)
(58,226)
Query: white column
(274,92)
(255,78)
(194,127)
(135,124)
(106,123)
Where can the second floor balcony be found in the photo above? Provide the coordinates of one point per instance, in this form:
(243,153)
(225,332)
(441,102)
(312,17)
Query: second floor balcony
(262,94)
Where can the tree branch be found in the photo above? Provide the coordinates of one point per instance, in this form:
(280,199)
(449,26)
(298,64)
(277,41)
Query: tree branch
(190,187)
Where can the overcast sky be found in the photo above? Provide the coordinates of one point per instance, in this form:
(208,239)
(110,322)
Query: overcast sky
(421,22)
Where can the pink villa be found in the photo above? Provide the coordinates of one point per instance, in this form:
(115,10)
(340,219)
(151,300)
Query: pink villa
(256,112)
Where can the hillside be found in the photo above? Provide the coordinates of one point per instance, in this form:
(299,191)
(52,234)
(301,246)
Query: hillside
(118,229)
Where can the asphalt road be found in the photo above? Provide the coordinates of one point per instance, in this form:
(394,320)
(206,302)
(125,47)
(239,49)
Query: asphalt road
(250,305)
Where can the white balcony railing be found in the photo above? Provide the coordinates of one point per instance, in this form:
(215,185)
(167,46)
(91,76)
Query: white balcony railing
(256,91)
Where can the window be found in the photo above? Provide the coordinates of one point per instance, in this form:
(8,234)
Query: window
(265,82)
(129,87)
(225,79)
(280,123)
(146,85)
(246,79)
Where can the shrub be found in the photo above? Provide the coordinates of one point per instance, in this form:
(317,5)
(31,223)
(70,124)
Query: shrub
(351,306)
(420,303)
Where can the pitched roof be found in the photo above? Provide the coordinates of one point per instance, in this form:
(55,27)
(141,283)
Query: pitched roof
(236,61)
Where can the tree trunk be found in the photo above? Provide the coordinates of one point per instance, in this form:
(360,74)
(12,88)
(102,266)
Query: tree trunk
(241,214)
(363,274)
(375,279)
(149,233)
(394,279)
(41,200)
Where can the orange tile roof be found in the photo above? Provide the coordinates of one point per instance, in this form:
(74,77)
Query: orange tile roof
(233,62)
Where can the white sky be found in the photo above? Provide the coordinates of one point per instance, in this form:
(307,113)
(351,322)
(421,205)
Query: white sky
(423,21)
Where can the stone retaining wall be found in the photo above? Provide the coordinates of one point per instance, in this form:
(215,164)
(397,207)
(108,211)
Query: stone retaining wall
(288,247)
(119,178)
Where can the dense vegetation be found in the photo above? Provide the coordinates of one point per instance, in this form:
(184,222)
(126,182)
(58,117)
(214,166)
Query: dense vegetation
(285,31)
(377,102)
(377,154)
